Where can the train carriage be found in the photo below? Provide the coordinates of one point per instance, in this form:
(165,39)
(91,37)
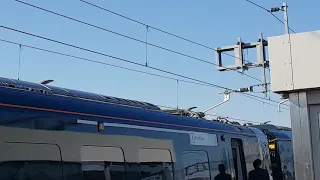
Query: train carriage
(49,132)
(281,151)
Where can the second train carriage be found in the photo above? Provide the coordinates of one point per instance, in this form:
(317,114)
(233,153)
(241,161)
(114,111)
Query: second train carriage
(56,133)
(281,151)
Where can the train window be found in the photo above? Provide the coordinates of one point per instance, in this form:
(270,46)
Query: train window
(156,171)
(102,163)
(93,170)
(72,170)
(149,171)
(133,171)
(155,164)
(238,159)
(196,165)
(154,155)
(30,170)
(36,161)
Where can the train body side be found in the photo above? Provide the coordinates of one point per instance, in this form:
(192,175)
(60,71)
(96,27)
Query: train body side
(196,146)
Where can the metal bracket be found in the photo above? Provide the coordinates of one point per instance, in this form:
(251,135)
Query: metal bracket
(240,63)
(283,101)
(238,55)
(225,99)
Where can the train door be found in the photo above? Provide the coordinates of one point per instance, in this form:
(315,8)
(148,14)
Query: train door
(275,161)
(238,160)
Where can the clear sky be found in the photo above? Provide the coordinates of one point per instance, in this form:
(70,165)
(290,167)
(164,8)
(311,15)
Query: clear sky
(212,23)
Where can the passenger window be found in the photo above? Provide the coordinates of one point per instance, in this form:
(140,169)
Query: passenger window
(30,170)
(36,161)
(72,171)
(154,155)
(156,171)
(196,165)
(102,163)
(133,171)
(149,171)
(155,164)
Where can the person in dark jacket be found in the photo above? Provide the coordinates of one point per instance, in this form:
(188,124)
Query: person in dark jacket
(258,173)
(222,175)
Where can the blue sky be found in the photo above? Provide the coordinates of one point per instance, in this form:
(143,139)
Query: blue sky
(212,23)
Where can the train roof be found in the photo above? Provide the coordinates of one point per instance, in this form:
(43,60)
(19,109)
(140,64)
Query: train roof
(22,94)
(5,82)
(271,127)
(280,132)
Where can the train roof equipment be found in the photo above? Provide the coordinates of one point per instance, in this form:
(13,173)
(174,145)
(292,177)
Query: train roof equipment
(48,89)
(51,98)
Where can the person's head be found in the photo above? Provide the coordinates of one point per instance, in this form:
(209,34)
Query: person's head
(222,168)
(256,163)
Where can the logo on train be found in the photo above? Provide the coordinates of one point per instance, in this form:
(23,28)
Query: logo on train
(195,138)
(203,139)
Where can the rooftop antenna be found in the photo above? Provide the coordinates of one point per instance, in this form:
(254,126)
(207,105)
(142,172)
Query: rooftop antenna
(45,82)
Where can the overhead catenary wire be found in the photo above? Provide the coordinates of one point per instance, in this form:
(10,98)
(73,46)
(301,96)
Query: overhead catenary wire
(135,39)
(119,34)
(110,56)
(41,49)
(114,57)
(255,98)
(261,7)
(144,24)
(157,29)
(199,84)
(103,63)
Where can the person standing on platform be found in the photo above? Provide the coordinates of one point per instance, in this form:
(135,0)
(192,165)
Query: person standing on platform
(258,173)
(222,175)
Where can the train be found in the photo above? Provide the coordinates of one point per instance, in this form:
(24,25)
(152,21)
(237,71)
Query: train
(49,132)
